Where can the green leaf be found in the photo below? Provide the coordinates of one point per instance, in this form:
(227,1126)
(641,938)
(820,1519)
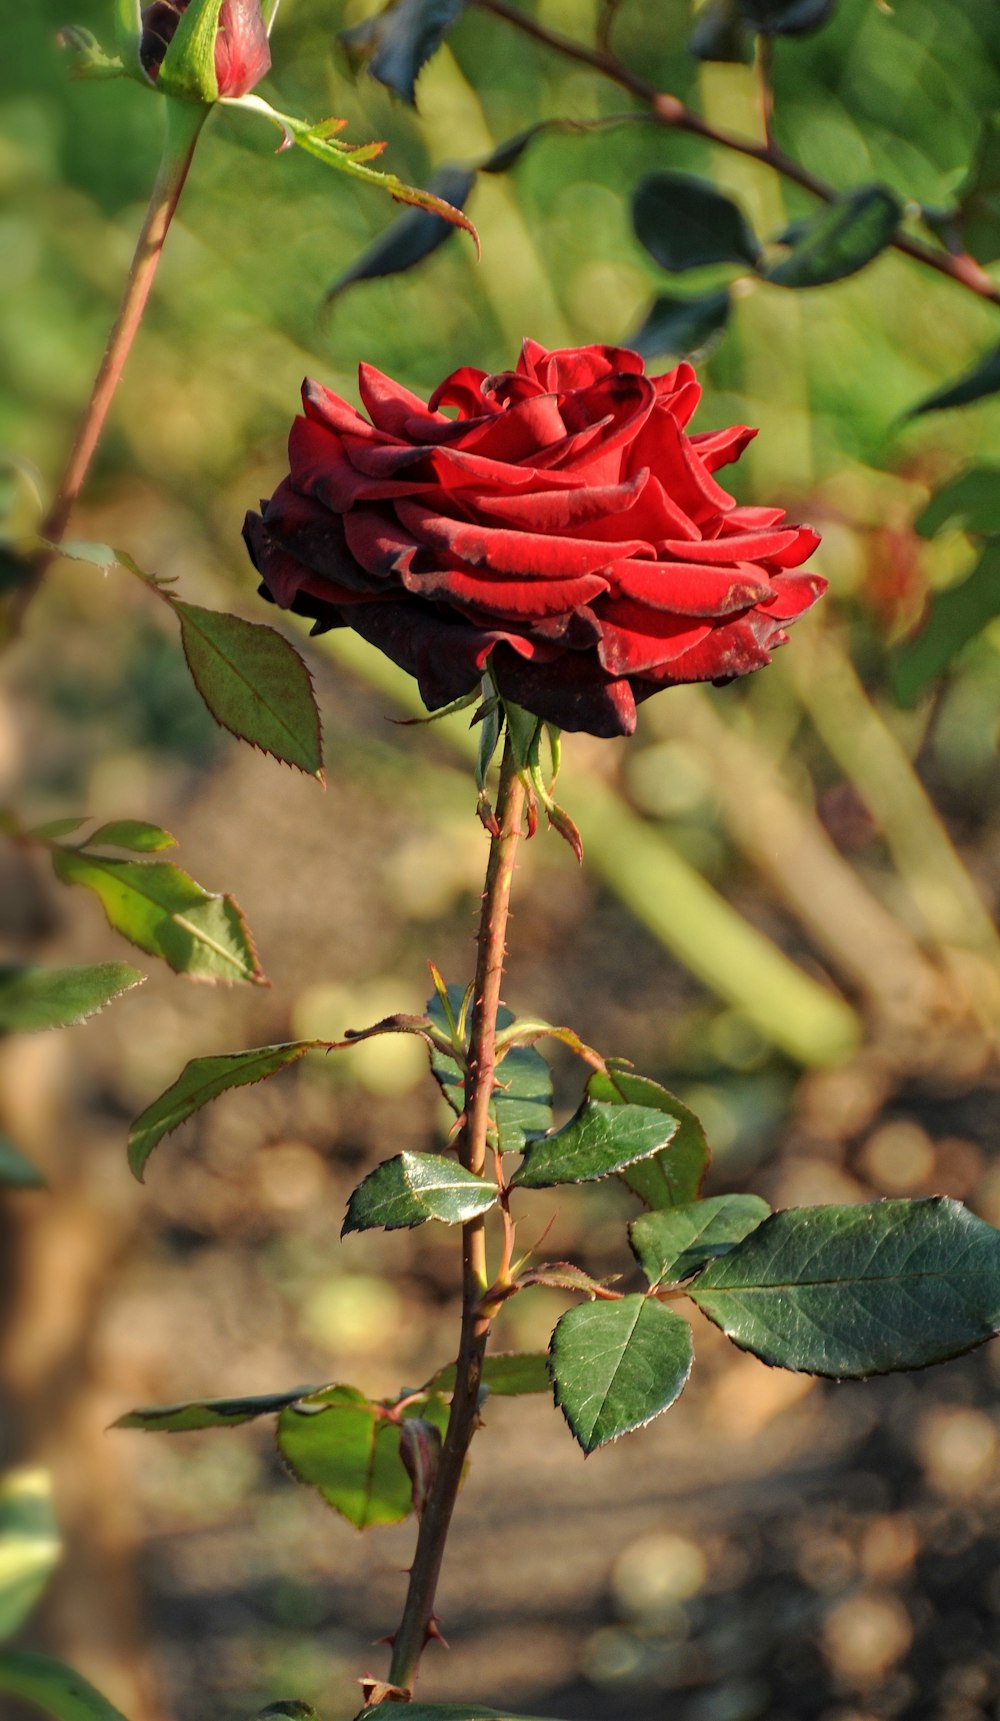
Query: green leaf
(522,1106)
(16,1171)
(719,33)
(209,1412)
(53,828)
(288,1709)
(29,1544)
(681,326)
(673,1178)
(840,240)
(677,1241)
(956,616)
(414,1187)
(347,1447)
(977,384)
(398,41)
(134,834)
(35,998)
(684,223)
(786,17)
(413,235)
(853,1291)
(163,911)
(201,1080)
(616,1365)
(63,1694)
(254,683)
(970,503)
(600,1139)
(507,1374)
(453,1712)
(979,197)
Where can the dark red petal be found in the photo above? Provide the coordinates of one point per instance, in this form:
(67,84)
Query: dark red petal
(446,654)
(785,548)
(520,601)
(462,389)
(558,510)
(794,593)
(320,468)
(736,648)
(663,447)
(506,552)
(381,546)
(686,589)
(580,367)
(744,519)
(635,639)
(570,692)
(393,408)
(653,517)
(716,448)
(335,413)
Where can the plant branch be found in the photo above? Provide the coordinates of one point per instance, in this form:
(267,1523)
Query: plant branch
(670,111)
(416,1625)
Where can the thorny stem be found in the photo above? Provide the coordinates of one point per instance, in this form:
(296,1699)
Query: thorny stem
(418,1613)
(669,110)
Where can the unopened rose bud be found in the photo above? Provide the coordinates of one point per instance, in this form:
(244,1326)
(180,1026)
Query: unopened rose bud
(242,54)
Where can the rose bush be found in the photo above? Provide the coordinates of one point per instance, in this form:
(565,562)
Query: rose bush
(242,52)
(562,527)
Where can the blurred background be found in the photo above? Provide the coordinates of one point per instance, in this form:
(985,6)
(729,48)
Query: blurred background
(786,914)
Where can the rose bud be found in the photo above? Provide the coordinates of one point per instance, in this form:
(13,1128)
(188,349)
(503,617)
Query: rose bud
(242,53)
(557,524)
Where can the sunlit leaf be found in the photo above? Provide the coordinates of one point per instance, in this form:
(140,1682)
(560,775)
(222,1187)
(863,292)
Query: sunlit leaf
(599,1139)
(678,1240)
(32,999)
(616,1365)
(254,683)
(414,1187)
(209,1412)
(506,1374)
(684,223)
(840,240)
(201,1080)
(956,616)
(347,1447)
(674,1176)
(522,1103)
(133,834)
(29,1544)
(681,326)
(398,41)
(55,1688)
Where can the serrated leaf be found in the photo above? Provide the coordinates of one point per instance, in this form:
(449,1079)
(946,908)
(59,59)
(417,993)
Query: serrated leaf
(54,1687)
(202,1080)
(853,1291)
(32,999)
(681,326)
(160,909)
(133,834)
(673,1177)
(414,1187)
(977,384)
(209,1412)
(29,1544)
(413,235)
(684,223)
(678,1240)
(507,1374)
(616,1365)
(840,240)
(16,1171)
(254,683)
(970,503)
(398,41)
(601,1138)
(344,1445)
(522,1104)
(979,197)
(956,616)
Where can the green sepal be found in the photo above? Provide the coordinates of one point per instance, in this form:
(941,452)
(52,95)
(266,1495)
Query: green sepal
(188,68)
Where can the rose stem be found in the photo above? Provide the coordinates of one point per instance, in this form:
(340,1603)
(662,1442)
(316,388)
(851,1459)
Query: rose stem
(415,1625)
(669,110)
(183,123)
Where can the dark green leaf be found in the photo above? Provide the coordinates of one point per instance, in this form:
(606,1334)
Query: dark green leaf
(346,1446)
(414,1187)
(719,33)
(522,1106)
(254,683)
(678,1240)
(412,236)
(16,1171)
(63,1694)
(163,911)
(977,384)
(786,17)
(956,616)
(53,828)
(35,998)
(134,834)
(840,240)
(599,1139)
(970,503)
(979,198)
(209,1412)
(681,326)
(398,41)
(616,1365)
(674,1177)
(289,1709)
(29,1544)
(852,1291)
(453,1712)
(684,223)
(506,1374)
(201,1080)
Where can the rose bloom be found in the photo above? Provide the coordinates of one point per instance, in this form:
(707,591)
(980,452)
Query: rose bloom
(242,53)
(555,523)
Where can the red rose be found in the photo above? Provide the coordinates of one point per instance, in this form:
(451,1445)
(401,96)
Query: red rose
(559,525)
(242,53)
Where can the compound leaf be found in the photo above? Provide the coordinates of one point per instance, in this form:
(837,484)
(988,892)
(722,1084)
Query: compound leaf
(616,1365)
(600,1139)
(32,999)
(414,1187)
(201,1080)
(678,1240)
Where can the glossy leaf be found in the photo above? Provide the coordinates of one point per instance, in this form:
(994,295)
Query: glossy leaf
(522,1104)
(977,384)
(29,1544)
(414,1187)
(159,908)
(853,1291)
(413,235)
(681,326)
(133,834)
(979,197)
(209,1412)
(616,1365)
(32,999)
(599,1139)
(970,503)
(506,1374)
(674,1176)
(677,1241)
(201,1080)
(54,1687)
(956,616)
(840,240)
(398,41)
(254,683)
(345,1446)
(16,1171)
(684,223)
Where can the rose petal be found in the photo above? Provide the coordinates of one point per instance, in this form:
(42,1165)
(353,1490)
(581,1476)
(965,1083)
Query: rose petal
(687,589)
(503,551)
